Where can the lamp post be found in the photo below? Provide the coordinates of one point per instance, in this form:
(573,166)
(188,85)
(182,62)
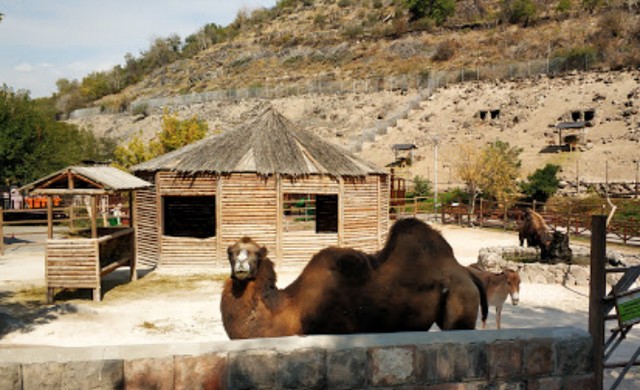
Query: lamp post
(435,140)
(449,167)
(637,167)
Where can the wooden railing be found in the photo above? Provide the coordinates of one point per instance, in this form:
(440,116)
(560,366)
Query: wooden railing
(82,262)
(509,217)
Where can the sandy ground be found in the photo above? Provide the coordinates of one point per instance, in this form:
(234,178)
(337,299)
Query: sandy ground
(191,314)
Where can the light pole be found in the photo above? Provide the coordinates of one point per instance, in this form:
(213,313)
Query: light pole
(435,139)
(637,166)
(449,167)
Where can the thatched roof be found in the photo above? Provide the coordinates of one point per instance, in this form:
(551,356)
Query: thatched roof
(86,180)
(269,144)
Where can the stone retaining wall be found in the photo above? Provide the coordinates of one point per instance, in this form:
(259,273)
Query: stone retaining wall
(546,358)
(495,259)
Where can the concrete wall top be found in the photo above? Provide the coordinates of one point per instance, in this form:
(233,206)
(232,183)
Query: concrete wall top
(39,354)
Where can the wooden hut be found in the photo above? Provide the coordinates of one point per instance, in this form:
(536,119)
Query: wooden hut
(82,261)
(209,194)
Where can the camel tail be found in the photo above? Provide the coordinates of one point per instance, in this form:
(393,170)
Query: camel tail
(484,304)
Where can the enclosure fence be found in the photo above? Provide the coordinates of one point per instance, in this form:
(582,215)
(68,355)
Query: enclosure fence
(425,80)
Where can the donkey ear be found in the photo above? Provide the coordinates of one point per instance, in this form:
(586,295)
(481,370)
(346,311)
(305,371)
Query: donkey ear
(262,253)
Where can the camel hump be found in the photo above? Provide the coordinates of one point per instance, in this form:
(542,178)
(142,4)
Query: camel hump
(353,265)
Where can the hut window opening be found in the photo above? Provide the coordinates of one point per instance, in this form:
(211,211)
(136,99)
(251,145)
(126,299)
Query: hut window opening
(311,212)
(189,216)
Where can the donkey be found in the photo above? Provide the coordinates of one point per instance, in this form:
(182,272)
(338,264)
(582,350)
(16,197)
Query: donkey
(498,286)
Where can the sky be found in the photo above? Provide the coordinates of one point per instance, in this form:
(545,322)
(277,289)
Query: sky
(42,41)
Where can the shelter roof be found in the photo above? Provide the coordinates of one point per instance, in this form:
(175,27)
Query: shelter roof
(267,144)
(404,147)
(86,180)
(572,125)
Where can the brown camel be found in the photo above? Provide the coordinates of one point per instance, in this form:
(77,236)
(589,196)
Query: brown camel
(498,286)
(412,283)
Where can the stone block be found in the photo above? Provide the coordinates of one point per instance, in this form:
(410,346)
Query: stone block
(582,382)
(10,378)
(302,369)
(392,366)
(546,383)
(538,357)
(347,369)
(505,359)
(255,369)
(206,372)
(103,374)
(151,373)
(574,356)
(442,363)
(38,376)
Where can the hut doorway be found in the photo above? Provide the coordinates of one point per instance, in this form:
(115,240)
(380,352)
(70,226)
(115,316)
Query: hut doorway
(189,216)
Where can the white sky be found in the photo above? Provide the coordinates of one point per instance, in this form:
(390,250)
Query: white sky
(42,41)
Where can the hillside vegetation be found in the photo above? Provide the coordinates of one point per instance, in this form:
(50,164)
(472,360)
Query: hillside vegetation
(300,40)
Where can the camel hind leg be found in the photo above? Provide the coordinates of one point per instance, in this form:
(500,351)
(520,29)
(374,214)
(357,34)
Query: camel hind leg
(459,306)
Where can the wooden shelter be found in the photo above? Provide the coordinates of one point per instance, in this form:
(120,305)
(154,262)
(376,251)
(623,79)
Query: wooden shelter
(209,194)
(81,262)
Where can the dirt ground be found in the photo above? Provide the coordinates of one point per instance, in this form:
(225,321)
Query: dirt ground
(169,306)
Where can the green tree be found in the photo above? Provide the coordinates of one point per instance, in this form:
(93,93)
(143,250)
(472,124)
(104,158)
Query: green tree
(500,164)
(437,10)
(421,186)
(542,183)
(33,143)
(518,11)
(175,134)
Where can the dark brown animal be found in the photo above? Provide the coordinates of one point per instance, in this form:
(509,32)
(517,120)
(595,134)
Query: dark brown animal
(554,247)
(534,231)
(412,283)
(498,286)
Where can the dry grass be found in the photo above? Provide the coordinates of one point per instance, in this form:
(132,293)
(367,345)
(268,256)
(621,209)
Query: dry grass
(155,284)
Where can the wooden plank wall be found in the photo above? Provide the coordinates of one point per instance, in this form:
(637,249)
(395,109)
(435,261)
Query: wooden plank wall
(249,208)
(72,263)
(298,247)
(147,235)
(187,251)
(171,183)
(361,216)
(383,211)
(314,184)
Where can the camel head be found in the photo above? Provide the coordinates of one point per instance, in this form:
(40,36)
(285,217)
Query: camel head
(245,257)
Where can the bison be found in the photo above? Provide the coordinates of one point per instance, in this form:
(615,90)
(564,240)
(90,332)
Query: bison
(554,247)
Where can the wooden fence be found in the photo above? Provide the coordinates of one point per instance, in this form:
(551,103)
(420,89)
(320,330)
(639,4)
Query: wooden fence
(508,217)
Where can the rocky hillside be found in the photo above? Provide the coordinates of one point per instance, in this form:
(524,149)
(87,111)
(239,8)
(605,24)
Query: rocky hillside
(359,42)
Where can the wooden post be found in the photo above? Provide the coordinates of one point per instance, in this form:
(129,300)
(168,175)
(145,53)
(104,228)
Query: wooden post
(49,217)
(597,293)
(97,291)
(279,216)
(341,211)
(133,221)
(481,213)
(94,217)
(1,232)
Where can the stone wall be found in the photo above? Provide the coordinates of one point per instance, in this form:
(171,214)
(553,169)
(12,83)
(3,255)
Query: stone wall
(546,358)
(497,258)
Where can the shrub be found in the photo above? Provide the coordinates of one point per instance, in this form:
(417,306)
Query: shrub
(542,183)
(344,3)
(518,11)
(421,186)
(445,50)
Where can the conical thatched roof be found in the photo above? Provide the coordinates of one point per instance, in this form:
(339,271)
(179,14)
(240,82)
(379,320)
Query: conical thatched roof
(269,144)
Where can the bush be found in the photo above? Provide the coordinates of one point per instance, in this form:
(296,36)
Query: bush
(542,183)
(518,11)
(445,50)
(421,186)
